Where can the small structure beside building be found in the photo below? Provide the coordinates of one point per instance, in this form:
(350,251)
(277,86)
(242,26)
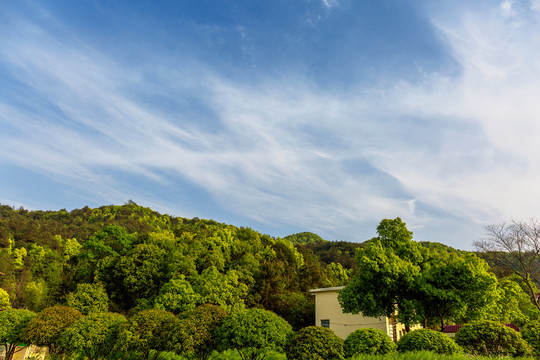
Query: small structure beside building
(328,313)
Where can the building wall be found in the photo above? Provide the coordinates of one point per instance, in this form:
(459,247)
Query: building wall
(327,307)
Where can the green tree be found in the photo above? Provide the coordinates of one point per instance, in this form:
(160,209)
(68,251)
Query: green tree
(89,298)
(513,305)
(177,296)
(254,333)
(194,334)
(457,286)
(143,270)
(12,324)
(35,294)
(148,332)
(220,289)
(95,335)
(46,327)
(388,269)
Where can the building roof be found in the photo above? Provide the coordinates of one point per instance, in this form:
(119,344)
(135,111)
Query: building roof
(335,288)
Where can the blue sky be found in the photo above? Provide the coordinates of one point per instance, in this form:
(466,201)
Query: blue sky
(285,116)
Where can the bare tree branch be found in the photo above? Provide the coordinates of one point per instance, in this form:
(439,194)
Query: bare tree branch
(515,246)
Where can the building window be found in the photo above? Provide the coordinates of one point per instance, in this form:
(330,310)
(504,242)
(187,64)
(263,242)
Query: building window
(325,323)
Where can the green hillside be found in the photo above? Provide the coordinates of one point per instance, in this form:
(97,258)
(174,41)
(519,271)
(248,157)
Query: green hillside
(144,259)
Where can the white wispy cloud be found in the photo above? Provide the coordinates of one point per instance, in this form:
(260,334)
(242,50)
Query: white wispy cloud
(284,151)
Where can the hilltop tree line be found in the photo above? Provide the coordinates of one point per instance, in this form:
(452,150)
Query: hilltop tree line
(143,260)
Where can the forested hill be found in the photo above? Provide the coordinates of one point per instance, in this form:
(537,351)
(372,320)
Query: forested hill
(144,259)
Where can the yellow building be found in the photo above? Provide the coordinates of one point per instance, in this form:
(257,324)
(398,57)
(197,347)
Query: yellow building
(328,314)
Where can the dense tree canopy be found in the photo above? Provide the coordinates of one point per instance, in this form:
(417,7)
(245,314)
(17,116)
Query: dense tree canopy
(139,259)
(143,259)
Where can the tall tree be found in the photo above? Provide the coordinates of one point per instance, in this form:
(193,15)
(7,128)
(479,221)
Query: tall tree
(515,246)
(457,286)
(385,281)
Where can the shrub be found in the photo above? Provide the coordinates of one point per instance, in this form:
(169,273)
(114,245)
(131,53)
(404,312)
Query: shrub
(315,343)
(531,334)
(368,341)
(254,333)
(428,340)
(492,339)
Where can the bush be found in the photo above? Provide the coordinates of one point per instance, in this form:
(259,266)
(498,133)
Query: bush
(428,340)
(254,333)
(315,343)
(492,339)
(531,334)
(368,341)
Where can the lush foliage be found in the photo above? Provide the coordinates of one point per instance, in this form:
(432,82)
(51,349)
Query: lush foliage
(149,331)
(368,341)
(492,339)
(143,259)
(89,298)
(93,336)
(5,303)
(194,334)
(428,340)
(12,324)
(315,343)
(428,355)
(254,333)
(392,259)
(531,334)
(420,283)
